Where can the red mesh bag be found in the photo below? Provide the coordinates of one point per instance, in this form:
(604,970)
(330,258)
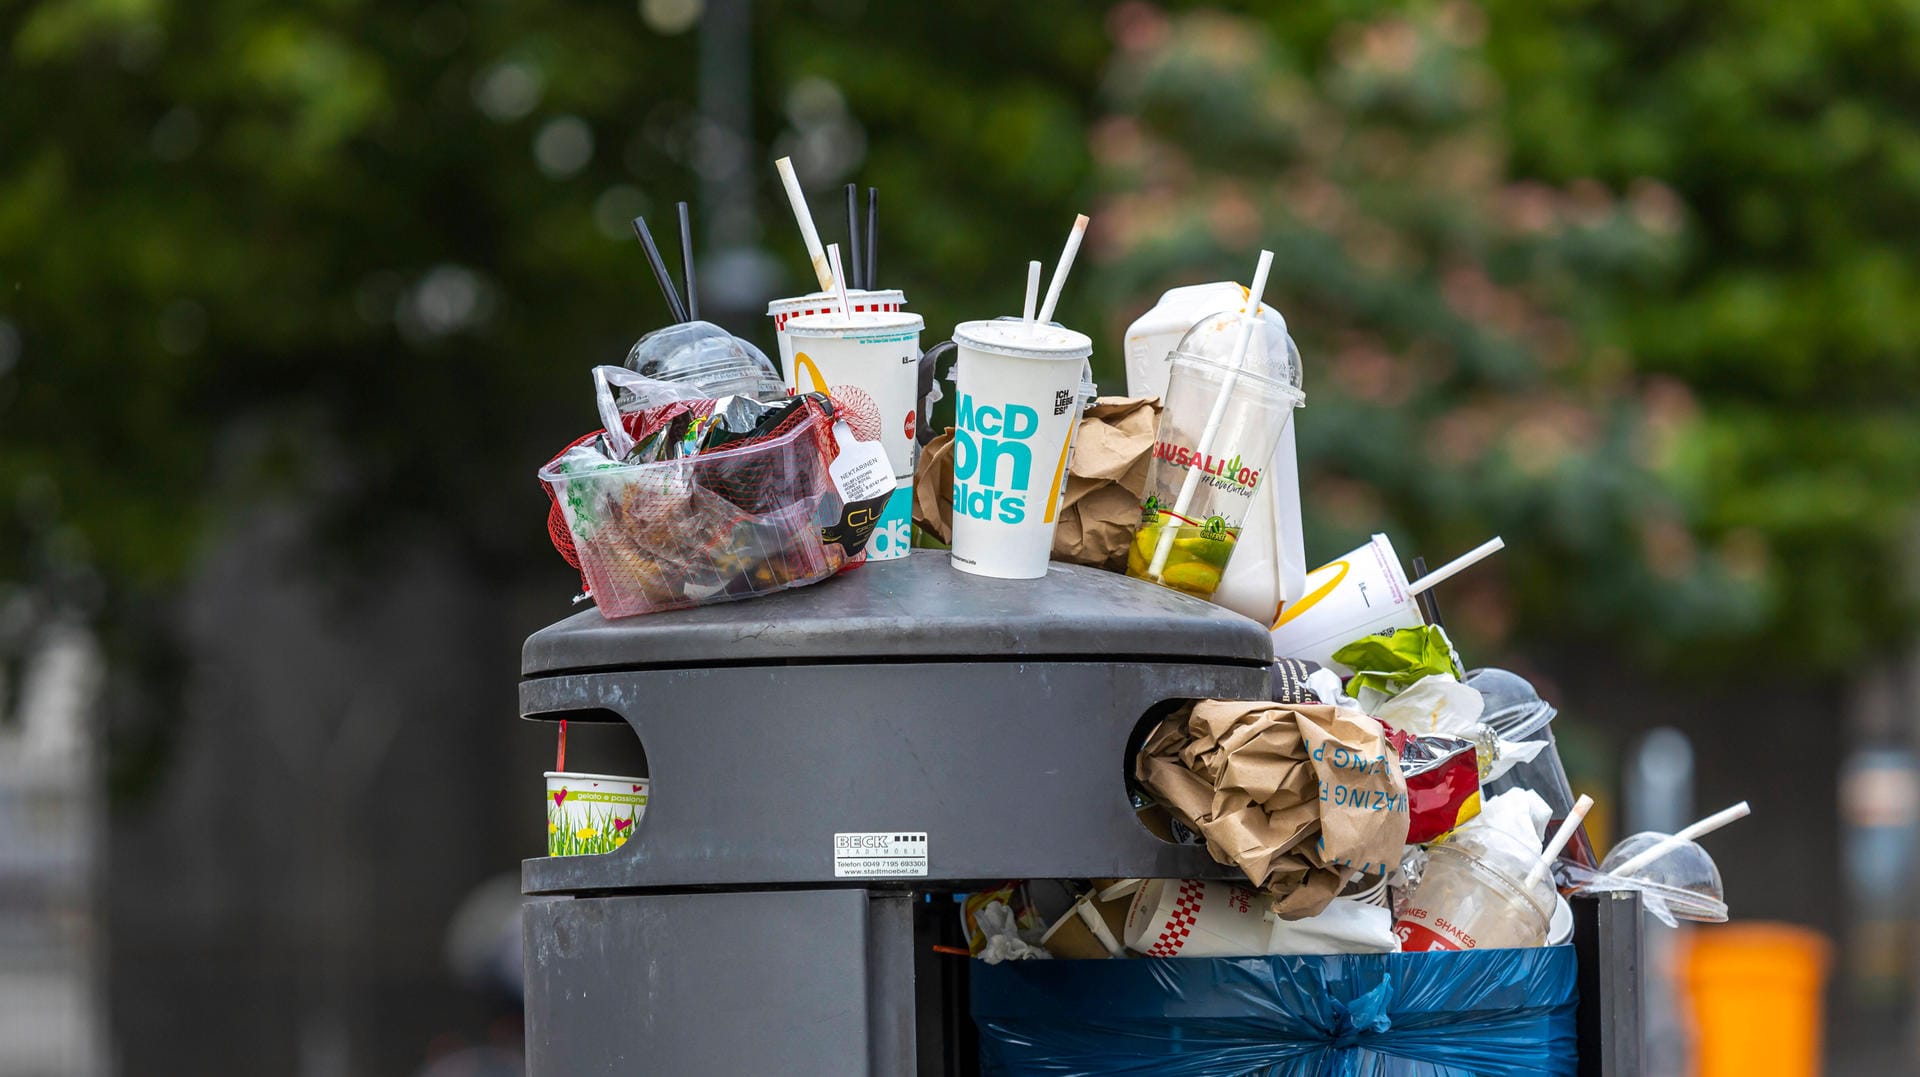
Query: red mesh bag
(726,524)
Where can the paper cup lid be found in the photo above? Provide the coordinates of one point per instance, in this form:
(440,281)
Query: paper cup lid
(1030,339)
(630,780)
(818,299)
(860,324)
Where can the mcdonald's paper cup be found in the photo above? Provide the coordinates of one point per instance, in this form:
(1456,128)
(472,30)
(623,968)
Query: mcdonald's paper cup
(1197,918)
(1359,594)
(879,353)
(1019,404)
(592,813)
(877,301)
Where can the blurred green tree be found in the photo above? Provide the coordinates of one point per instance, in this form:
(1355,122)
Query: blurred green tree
(1622,283)
(1505,315)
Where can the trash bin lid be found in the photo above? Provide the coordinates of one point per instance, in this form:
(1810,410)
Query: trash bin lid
(911,608)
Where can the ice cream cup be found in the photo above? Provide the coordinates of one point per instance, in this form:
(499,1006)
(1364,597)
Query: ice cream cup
(879,354)
(1197,918)
(1361,593)
(1019,403)
(592,813)
(863,301)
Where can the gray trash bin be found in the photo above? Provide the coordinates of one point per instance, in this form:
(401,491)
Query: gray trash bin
(821,761)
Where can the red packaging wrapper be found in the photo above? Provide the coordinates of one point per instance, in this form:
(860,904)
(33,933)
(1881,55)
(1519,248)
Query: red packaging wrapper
(1443,783)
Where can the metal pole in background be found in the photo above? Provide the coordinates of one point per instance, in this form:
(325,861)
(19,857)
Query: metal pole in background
(1659,797)
(739,274)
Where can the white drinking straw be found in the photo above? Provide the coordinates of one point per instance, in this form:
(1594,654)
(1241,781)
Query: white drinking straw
(1688,833)
(1066,263)
(1212,430)
(1033,290)
(792,183)
(1458,565)
(1559,840)
(839,281)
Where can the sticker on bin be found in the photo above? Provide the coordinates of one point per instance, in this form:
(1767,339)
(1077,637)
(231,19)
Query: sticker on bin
(882,855)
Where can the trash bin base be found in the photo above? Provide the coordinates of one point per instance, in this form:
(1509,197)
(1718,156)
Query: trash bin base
(720,984)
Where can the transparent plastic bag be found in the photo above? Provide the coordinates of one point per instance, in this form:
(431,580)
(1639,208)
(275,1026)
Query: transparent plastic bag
(732,523)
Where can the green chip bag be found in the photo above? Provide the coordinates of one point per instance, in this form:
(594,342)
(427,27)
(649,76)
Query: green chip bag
(1390,663)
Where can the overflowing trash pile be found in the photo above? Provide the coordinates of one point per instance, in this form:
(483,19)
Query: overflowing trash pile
(1387,800)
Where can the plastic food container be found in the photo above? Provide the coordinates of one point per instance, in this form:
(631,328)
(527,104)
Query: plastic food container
(720,526)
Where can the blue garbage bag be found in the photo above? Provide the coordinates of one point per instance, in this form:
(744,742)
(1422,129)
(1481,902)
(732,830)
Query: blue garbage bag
(1472,1013)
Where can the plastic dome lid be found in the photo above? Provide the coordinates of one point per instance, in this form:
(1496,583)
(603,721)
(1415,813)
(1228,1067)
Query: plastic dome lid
(1271,354)
(709,358)
(1681,875)
(1513,707)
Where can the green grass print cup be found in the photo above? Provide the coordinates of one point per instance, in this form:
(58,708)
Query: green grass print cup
(592,813)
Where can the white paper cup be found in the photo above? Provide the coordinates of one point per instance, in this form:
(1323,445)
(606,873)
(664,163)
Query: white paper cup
(1018,406)
(592,813)
(880,355)
(1197,918)
(863,301)
(1561,928)
(1359,594)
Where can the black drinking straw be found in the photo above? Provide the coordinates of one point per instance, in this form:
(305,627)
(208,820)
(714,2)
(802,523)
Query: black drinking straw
(686,263)
(873,237)
(1429,605)
(674,306)
(854,264)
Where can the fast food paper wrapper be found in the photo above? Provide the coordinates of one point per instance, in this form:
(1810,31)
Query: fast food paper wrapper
(1106,479)
(1300,797)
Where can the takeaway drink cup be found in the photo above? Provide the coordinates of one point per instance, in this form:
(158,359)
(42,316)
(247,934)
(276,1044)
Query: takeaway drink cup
(880,354)
(1197,918)
(1018,385)
(1473,896)
(1231,394)
(863,301)
(1357,595)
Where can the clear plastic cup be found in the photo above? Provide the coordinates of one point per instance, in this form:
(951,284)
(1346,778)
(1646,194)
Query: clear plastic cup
(1473,895)
(1189,526)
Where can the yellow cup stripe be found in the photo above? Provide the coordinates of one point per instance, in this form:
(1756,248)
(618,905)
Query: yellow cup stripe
(1059,469)
(804,362)
(1312,597)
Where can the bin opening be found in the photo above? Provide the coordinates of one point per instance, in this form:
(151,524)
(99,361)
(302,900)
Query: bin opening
(599,785)
(1152,816)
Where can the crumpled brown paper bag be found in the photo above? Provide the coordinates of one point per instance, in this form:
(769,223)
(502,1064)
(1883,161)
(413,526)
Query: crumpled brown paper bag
(1105,483)
(1300,796)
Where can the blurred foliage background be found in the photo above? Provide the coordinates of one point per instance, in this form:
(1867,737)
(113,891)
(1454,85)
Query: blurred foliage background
(1624,282)
(1629,283)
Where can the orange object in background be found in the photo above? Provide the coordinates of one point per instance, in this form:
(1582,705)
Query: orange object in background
(1757,993)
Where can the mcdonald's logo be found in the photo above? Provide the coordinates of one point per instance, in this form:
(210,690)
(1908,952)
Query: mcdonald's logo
(1336,570)
(803,363)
